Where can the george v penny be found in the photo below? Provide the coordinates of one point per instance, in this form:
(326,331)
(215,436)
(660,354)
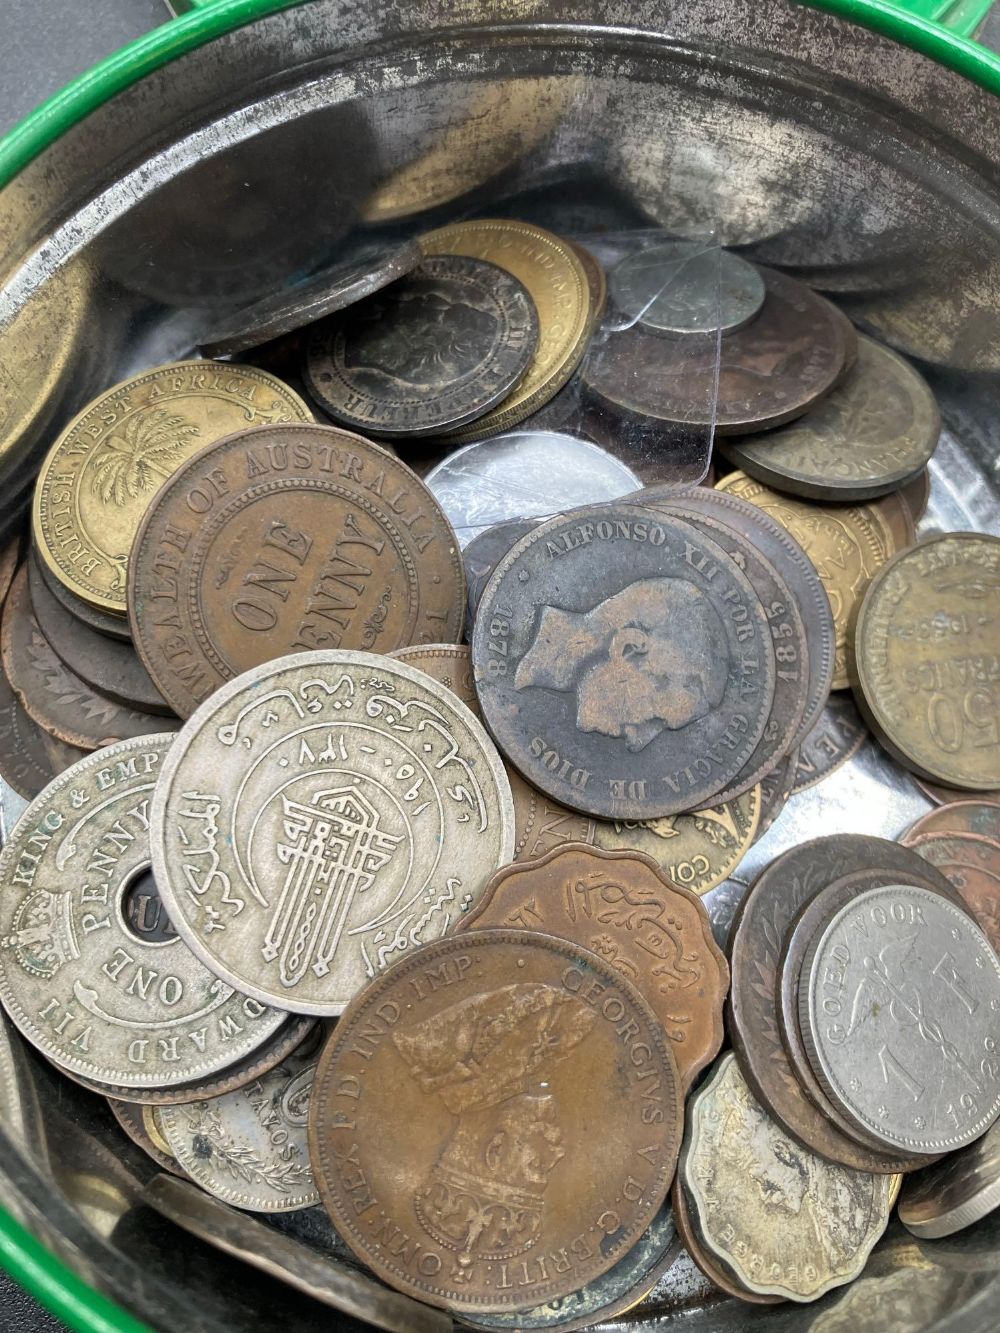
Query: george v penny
(623,662)
(622,907)
(837,737)
(288,539)
(453,1112)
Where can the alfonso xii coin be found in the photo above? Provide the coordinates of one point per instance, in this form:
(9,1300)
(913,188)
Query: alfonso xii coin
(321,817)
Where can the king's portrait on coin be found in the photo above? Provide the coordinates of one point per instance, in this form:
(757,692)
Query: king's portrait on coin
(442,337)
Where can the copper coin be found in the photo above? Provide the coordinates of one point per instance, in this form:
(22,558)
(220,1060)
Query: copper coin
(130,1118)
(622,907)
(484,553)
(917,493)
(942,795)
(29,759)
(104,622)
(775,790)
(770,372)
(60,702)
(979,817)
(972,865)
(9,556)
(109,665)
(837,736)
(755,943)
(283,539)
(711,1266)
(453,1117)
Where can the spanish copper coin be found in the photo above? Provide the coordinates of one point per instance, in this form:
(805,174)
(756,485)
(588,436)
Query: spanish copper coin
(972,865)
(775,791)
(978,817)
(432,352)
(29,758)
(283,540)
(872,434)
(484,553)
(940,794)
(686,288)
(361,274)
(955,1193)
(129,1117)
(112,624)
(837,736)
(916,494)
(624,662)
(926,634)
(622,907)
(769,372)
(712,1267)
(108,665)
(59,701)
(755,943)
(452,1121)
(9,557)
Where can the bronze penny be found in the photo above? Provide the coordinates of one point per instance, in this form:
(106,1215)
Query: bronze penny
(775,790)
(130,1118)
(104,622)
(59,701)
(755,944)
(972,865)
(451,1126)
(283,539)
(917,494)
(29,759)
(622,907)
(979,817)
(837,736)
(712,1267)
(769,372)
(109,665)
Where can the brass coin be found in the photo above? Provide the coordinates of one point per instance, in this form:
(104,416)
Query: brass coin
(454,1109)
(972,865)
(925,645)
(106,466)
(113,625)
(846,543)
(872,434)
(29,758)
(283,539)
(837,736)
(558,284)
(129,1117)
(712,1267)
(896,519)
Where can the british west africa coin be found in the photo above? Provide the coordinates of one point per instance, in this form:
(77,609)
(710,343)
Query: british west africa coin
(322,816)
(685,288)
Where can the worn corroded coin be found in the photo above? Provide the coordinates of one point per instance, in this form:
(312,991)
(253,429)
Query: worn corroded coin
(286,539)
(108,463)
(899,1005)
(623,662)
(455,1106)
(9,559)
(788,1223)
(981,818)
(485,551)
(113,625)
(940,794)
(597,281)
(837,736)
(972,865)
(29,758)
(622,907)
(76,976)
(684,288)
(129,1117)
(875,432)
(710,1265)
(954,1193)
(916,494)
(846,543)
(322,816)
(926,645)
(775,791)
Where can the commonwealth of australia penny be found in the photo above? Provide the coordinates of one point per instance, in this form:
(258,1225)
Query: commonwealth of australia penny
(287,539)
(770,372)
(837,736)
(433,351)
(684,288)
(453,1117)
(624,662)
(872,434)
(109,462)
(927,648)
(322,816)
(899,1007)
(76,976)
(622,907)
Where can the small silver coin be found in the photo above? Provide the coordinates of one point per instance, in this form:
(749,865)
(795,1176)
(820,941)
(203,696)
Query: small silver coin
(526,474)
(899,1008)
(684,288)
(954,1193)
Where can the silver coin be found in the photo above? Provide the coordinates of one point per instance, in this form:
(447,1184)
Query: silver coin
(526,474)
(362,274)
(899,1006)
(954,1193)
(321,816)
(687,287)
(88,971)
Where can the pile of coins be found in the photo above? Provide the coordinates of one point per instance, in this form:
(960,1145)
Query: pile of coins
(349,919)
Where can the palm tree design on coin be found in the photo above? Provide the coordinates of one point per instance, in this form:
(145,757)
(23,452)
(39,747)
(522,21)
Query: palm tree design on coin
(140,456)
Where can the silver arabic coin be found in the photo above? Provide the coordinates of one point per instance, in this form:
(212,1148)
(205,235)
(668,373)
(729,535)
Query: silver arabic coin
(526,474)
(899,1010)
(321,816)
(956,1192)
(685,288)
(90,971)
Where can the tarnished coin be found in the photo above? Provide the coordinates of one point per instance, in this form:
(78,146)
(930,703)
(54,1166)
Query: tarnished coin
(955,1193)
(899,1007)
(981,818)
(896,519)
(526,474)
(926,645)
(972,865)
(597,282)
(29,758)
(322,816)
(484,552)
(454,1108)
(112,624)
(846,543)
(788,1223)
(940,794)
(916,494)
(624,663)
(775,791)
(622,907)
(710,1265)
(873,433)
(9,559)
(682,288)
(770,372)
(59,701)
(125,1009)
(129,1117)
(837,736)
(286,539)
(108,463)
(361,274)
(557,281)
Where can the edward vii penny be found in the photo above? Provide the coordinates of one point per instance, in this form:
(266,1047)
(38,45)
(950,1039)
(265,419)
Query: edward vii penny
(452,1125)
(322,816)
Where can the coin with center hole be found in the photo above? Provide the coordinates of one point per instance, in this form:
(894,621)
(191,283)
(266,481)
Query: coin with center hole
(681,288)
